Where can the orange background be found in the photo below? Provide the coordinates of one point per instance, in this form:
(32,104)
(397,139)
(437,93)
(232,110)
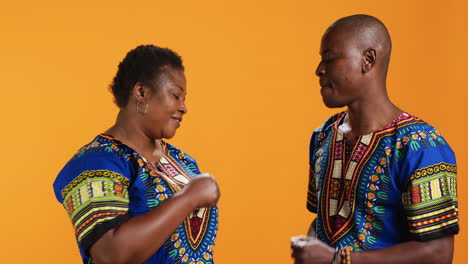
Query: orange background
(253,103)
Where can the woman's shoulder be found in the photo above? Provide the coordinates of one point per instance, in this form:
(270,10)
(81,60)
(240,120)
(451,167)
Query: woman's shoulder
(103,155)
(173,151)
(106,145)
(181,157)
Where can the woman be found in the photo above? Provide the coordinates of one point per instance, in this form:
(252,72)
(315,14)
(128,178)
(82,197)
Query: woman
(132,197)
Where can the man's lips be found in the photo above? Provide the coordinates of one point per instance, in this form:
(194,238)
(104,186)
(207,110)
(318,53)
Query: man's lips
(178,119)
(324,85)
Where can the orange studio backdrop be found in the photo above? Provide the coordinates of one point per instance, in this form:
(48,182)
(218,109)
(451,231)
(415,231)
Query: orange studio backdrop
(252,95)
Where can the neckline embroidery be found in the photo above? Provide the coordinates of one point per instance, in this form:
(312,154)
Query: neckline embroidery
(343,176)
(172,172)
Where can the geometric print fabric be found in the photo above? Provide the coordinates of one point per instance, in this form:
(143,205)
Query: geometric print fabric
(106,182)
(94,197)
(396,184)
(431,199)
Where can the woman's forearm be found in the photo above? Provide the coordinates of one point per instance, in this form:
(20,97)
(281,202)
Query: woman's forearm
(137,239)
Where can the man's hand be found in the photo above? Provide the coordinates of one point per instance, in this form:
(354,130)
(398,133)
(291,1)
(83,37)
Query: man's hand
(309,250)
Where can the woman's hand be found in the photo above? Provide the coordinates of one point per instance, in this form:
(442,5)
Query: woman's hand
(138,238)
(203,190)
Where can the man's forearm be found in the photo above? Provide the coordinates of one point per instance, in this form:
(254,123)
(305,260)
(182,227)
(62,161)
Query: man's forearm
(438,251)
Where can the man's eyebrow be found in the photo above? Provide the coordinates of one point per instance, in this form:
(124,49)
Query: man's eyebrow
(325,51)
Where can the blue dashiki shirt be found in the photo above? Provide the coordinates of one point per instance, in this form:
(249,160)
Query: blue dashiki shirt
(394,185)
(107,182)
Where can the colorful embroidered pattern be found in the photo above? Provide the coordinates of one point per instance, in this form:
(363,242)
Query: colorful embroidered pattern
(114,183)
(358,198)
(191,245)
(94,197)
(431,200)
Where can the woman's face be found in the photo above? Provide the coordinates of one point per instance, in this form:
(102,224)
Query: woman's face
(166,104)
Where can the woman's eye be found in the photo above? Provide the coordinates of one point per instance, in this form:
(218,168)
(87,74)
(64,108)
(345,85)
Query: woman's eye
(176,96)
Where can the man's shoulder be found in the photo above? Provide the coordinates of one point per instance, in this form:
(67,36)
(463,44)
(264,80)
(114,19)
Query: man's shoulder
(411,125)
(417,135)
(325,126)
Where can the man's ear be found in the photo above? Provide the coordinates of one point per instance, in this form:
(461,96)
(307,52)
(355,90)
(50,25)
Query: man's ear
(369,58)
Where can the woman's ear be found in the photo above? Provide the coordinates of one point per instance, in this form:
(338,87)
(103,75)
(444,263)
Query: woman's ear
(139,91)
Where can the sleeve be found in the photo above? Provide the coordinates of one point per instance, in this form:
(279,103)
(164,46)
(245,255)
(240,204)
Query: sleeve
(96,198)
(312,186)
(430,197)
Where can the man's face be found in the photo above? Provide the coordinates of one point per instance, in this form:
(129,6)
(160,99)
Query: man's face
(340,70)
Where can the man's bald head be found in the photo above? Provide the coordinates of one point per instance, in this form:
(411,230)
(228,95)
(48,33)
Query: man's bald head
(369,32)
(355,53)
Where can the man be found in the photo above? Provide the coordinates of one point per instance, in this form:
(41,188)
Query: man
(382,182)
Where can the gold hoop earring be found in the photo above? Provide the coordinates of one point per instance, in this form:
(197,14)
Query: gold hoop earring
(138,108)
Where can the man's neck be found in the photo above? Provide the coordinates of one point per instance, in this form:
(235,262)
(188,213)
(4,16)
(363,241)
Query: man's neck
(371,114)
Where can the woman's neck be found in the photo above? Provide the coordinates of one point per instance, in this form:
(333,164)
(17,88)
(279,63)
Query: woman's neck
(130,132)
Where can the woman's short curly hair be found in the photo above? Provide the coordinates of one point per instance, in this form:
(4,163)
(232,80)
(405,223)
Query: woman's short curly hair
(142,64)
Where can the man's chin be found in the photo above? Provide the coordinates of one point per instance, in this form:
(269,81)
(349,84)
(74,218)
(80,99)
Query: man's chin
(332,104)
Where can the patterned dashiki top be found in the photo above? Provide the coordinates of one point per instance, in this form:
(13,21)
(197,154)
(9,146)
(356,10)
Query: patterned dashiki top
(396,184)
(107,182)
